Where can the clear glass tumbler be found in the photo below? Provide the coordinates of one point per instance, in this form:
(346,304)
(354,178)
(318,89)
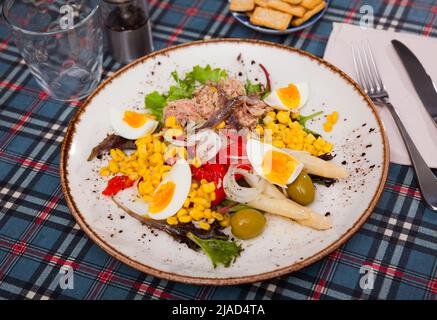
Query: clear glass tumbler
(61,42)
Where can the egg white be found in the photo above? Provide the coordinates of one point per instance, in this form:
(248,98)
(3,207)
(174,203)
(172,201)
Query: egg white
(255,153)
(274,101)
(180,175)
(116,116)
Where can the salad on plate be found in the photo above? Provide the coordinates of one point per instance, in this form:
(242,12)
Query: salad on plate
(209,159)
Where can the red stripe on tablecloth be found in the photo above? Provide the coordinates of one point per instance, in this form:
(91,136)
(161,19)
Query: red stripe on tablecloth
(406,191)
(432,285)
(428,27)
(145,288)
(387,270)
(349,15)
(19,247)
(47,209)
(60,261)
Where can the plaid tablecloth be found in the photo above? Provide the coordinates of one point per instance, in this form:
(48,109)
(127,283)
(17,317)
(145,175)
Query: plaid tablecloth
(38,235)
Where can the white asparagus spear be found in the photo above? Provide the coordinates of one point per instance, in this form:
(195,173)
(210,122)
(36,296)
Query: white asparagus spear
(273,199)
(319,167)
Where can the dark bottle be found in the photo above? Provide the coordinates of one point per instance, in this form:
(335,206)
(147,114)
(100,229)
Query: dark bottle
(128,26)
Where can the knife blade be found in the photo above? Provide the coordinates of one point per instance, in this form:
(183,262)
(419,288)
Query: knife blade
(422,82)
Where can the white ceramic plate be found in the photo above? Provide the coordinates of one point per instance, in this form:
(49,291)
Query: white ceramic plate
(284,247)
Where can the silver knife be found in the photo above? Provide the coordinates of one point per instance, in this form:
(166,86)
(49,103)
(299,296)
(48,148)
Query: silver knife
(422,82)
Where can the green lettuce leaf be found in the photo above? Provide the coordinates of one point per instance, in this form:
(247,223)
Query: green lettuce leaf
(155,102)
(219,251)
(252,88)
(202,75)
(303,120)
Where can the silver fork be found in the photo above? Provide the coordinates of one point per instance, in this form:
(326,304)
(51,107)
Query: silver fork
(370,80)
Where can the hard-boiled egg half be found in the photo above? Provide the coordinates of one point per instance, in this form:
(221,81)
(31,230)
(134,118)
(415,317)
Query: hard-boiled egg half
(131,124)
(172,192)
(168,197)
(289,97)
(273,164)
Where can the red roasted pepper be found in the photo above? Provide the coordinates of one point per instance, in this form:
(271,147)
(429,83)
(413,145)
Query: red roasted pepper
(116,184)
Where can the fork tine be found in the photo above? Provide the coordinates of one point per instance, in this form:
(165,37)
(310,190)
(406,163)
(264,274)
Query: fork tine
(363,71)
(374,68)
(358,71)
(367,70)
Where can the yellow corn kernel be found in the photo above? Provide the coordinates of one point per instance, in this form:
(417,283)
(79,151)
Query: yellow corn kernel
(268,119)
(221,125)
(200,201)
(187,203)
(328,147)
(113,166)
(309,139)
(259,130)
(133,176)
(335,117)
(208,187)
(327,126)
(212,196)
(182,212)
(273,127)
(194,185)
(207,213)
(192,193)
(114,155)
(185,218)
(283,117)
(319,143)
(196,214)
(157,146)
(278,144)
(104,171)
(295,115)
(170,122)
(226,221)
(196,162)
(271,114)
(211,220)
(203,181)
(120,153)
(199,207)
(217,216)
(204,225)
(172,220)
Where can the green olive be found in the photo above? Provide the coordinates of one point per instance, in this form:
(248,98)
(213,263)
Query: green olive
(302,189)
(247,223)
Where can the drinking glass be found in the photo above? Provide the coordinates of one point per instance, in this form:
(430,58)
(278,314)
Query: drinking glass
(61,42)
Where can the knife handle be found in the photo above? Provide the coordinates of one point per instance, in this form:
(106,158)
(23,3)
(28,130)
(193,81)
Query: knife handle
(426,179)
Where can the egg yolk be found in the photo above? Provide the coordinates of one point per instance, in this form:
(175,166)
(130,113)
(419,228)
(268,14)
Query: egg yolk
(278,166)
(289,96)
(162,197)
(134,119)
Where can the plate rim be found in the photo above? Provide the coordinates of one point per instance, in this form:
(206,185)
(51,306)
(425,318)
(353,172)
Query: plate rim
(206,280)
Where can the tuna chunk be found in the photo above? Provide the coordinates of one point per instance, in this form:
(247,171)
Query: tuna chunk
(232,87)
(184,110)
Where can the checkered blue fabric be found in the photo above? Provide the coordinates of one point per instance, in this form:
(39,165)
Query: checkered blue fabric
(38,235)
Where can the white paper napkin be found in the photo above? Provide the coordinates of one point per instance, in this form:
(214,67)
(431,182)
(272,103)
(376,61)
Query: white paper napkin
(399,86)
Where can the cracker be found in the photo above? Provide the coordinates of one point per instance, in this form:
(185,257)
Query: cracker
(242,5)
(297,11)
(262,3)
(309,14)
(269,18)
(294,2)
(310,4)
